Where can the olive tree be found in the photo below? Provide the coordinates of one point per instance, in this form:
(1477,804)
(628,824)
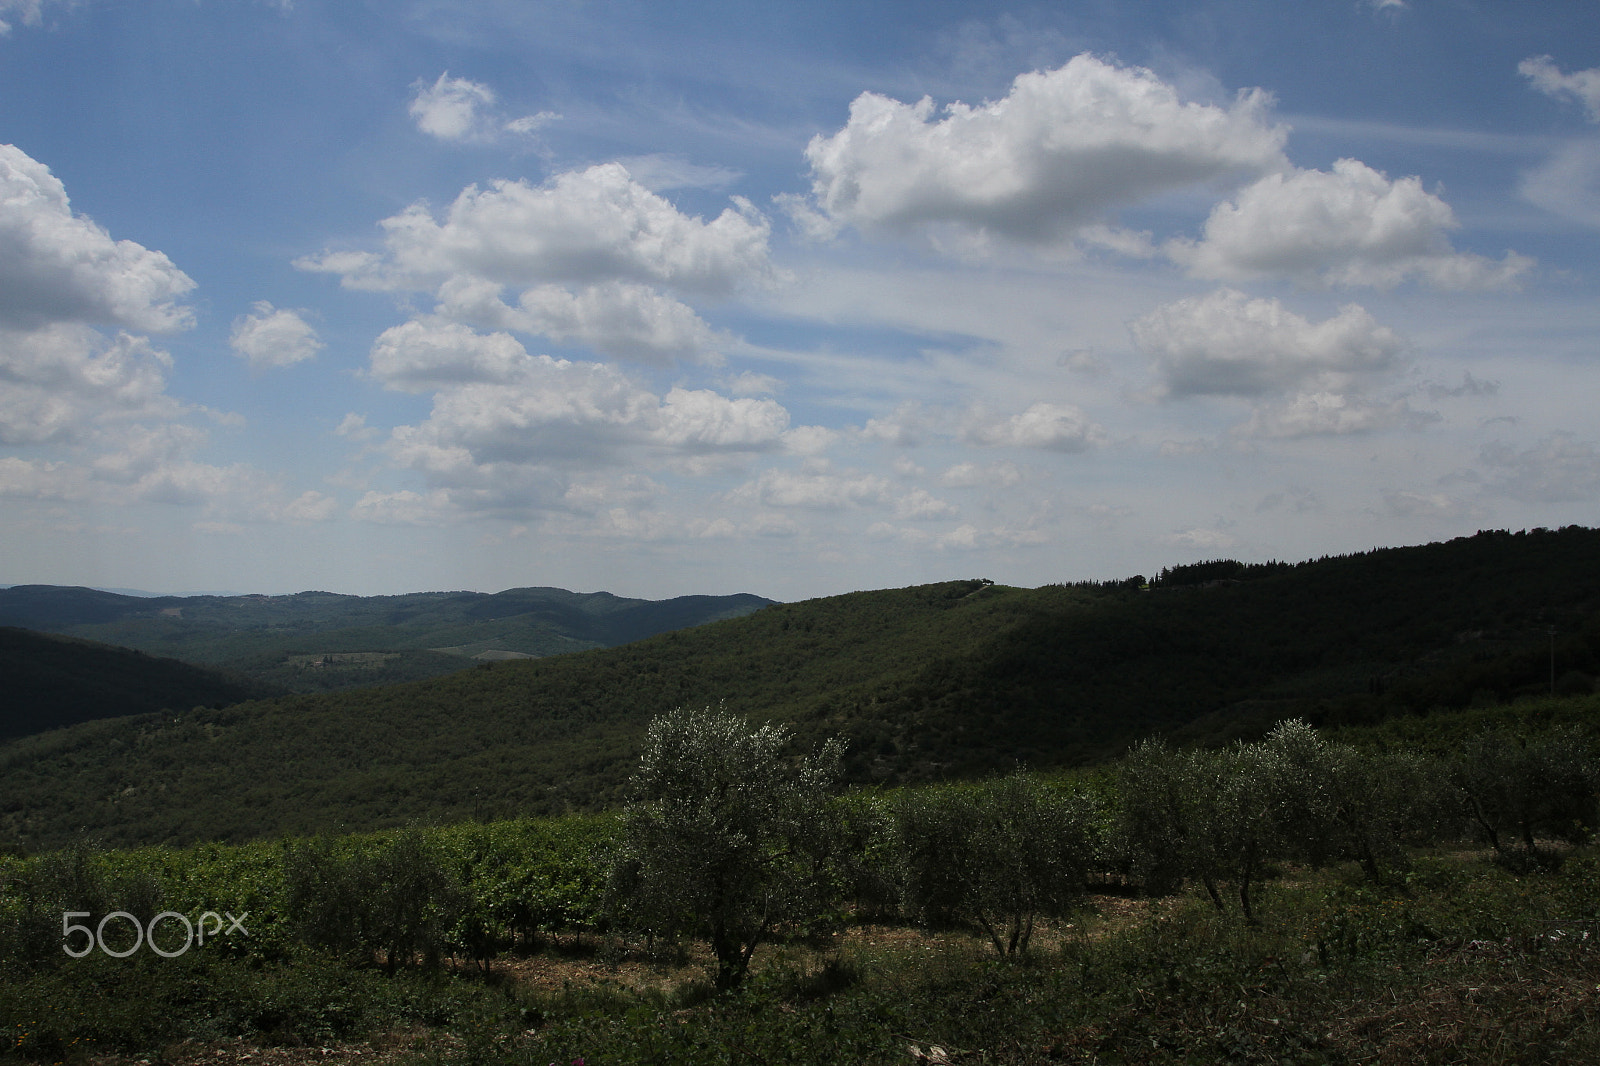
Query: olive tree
(1205,815)
(1223,816)
(400,899)
(723,836)
(1334,803)
(1001,855)
(1164,813)
(1517,790)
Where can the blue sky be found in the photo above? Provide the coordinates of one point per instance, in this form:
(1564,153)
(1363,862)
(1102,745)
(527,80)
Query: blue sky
(786,298)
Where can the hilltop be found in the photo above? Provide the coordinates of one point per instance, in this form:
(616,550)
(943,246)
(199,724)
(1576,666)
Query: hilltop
(933,681)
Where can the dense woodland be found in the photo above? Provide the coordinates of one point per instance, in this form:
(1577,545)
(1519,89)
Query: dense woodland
(53,681)
(925,683)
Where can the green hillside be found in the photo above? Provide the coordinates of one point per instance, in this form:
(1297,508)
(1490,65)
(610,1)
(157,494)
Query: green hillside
(931,681)
(55,681)
(322,641)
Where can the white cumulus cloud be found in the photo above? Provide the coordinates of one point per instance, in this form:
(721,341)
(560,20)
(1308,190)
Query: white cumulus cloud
(553,410)
(702,420)
(432,353)
(1307,378)
(273,337)
(1063,148)
(63,381)
(1227,344)
(1350,226)
(511,431)
(622,319)
(56,266)
(582,227)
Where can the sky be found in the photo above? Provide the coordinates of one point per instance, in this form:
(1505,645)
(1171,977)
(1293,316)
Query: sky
(382,296)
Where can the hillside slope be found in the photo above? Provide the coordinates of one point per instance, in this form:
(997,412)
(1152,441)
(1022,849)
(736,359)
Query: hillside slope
(930,681)
(52,681)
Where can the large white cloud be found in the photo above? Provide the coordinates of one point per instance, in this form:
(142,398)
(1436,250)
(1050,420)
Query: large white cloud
(591,255)
(1227,344)
(580,228)
(431,353)
(1305,378)
(1350,226)
(616,318)
(511,430)
(562,413)
(699,420)
(64,384)
(63,381)
(553,410)
(1060,150)
(56,266)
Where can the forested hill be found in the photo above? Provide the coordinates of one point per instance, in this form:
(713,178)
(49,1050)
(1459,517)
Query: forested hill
(52,681)
(321,641)
(935,680)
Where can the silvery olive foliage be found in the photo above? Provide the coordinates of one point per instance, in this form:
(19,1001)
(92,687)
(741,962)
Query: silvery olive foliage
(725,838)
(1222,817)
(1202,815)
(1333,803)
(1001,855)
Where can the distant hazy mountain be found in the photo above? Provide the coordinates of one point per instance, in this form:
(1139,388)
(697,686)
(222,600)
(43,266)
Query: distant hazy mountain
(318,641)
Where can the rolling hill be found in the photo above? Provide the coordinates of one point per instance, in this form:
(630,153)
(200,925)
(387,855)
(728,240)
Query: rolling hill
(931,681)
(321,641)
(53,681)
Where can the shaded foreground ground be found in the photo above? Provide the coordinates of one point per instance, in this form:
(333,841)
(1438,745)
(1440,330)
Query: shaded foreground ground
(1463,963)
